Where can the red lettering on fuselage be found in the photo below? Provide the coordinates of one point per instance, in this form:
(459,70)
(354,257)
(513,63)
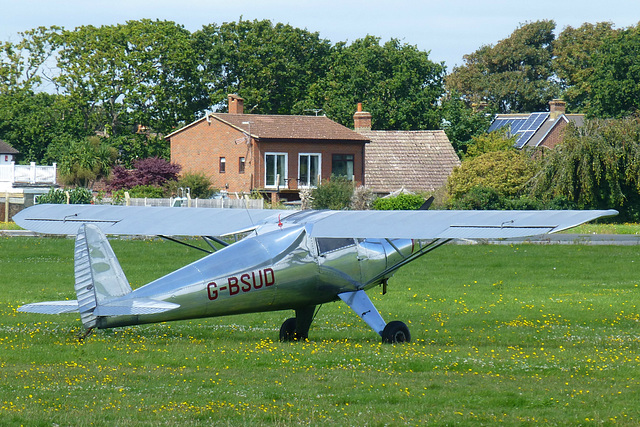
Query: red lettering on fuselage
(246,282)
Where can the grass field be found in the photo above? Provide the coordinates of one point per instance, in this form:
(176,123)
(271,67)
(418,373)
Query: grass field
(501,334)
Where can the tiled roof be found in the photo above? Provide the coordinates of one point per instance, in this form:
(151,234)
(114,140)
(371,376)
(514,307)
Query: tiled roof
(270,126)
(283,127)
(7,149)
(415,160)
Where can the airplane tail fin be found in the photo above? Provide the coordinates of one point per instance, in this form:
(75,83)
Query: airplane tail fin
(101,286)
(98,274)
(101,283)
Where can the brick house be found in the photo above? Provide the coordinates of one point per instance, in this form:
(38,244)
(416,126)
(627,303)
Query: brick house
(274,154)
(538,130)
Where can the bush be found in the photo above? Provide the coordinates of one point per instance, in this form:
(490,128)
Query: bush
(141,191)
(483,198)
(198,183)
(77,196)
(479,198)
(362,198)
(334,193)
(507,172)
(152,171)
(401,202)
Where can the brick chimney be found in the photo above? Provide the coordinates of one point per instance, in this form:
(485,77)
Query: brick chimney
(557,107)
(361,119)
(236,104)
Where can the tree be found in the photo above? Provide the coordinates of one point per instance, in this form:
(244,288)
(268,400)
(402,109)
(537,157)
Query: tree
(152,171)
(86,161)
(31,122)
(498,140)
(22,64)
(143,72)
(506,172)
(270,66)
(397,83)
(596,167)
(514,75)
(574,51)
(615,81)
(462,123)
(31,118)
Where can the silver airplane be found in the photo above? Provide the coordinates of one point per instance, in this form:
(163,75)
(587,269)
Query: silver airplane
(288,260)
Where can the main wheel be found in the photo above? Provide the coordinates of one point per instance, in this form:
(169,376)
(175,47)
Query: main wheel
(395,332)
(288,330)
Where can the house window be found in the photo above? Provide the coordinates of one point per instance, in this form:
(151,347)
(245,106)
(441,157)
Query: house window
(223,165)
(241,165)
(275,169)
(308,169)
(342,165)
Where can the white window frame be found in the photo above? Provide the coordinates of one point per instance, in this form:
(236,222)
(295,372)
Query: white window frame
(308,183)
(283,177)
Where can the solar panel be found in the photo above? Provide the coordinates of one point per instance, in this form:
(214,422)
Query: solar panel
(530,127)
(523,137)
(515,123)
(523,127)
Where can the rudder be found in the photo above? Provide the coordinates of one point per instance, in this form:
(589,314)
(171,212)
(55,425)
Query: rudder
(98,275)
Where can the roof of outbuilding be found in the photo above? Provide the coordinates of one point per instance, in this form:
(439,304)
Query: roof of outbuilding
(7,149)
(283,127)
(415,160)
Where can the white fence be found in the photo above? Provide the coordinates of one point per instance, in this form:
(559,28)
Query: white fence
(199,203)
(28,174)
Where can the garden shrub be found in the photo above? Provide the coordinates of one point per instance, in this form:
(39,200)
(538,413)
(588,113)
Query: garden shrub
(402,202)
(334,193)
(77,196)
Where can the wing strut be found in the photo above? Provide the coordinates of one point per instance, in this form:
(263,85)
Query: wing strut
(423,251)
(171,239)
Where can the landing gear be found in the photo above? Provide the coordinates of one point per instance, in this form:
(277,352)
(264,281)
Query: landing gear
(288,330)
(297,328)
(395,332)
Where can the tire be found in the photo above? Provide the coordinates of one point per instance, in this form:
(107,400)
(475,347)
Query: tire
(288,330)
(395,332)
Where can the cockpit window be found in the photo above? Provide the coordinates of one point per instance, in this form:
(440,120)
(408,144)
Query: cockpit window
(333,244)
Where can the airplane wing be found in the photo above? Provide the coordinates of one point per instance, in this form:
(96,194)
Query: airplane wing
(447,224)
(419,224)
(143,220)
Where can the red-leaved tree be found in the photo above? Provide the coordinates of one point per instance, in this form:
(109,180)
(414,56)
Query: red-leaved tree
(151,171)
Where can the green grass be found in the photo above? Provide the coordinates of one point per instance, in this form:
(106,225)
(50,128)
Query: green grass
(9,226)
(501,334)
(606,229)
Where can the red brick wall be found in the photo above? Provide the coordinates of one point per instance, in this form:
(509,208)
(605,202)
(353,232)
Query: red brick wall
(555,136)
(199,147)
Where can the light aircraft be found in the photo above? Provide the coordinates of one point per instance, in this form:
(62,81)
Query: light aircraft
(288,260)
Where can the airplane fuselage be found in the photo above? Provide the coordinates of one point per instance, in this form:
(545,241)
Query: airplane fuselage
(281,268)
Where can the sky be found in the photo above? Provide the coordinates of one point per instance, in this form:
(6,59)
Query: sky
(448,29)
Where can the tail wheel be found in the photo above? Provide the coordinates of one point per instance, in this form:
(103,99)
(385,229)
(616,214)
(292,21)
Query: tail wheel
(288,330)
(394,332)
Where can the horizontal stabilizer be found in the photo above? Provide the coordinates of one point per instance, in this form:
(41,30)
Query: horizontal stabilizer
(50,307)
(133,307)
